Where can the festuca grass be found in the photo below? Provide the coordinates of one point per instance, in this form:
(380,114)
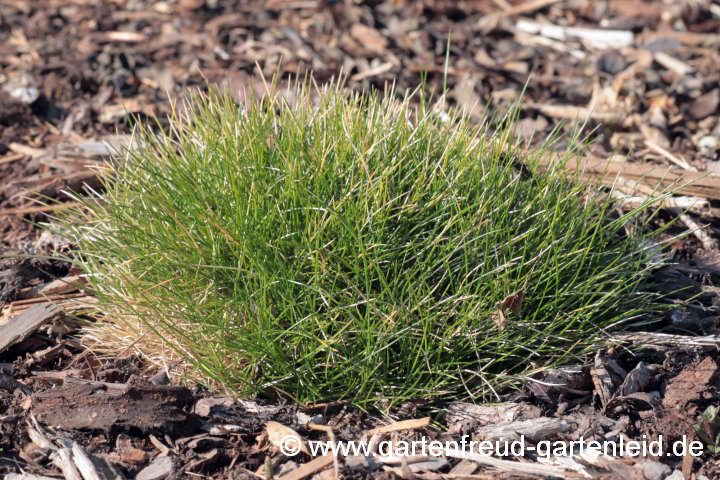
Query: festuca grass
(356,246)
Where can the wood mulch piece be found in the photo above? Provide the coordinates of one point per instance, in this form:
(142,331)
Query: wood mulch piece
(102,406)
(642,74)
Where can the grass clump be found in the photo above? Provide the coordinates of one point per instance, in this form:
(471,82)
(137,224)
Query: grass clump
(350,246)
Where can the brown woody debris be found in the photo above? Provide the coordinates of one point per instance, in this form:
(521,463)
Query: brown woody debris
(102,406)
(690,384)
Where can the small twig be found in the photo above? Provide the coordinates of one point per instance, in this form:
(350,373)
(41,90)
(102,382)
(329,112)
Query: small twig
(529,7)
(677,161)
(502,4)
(699,231)
(512,466)
(570,112)
(672,63)
(307,469)
(268,468)
(328,429)
(336,466)
(666,339)
(164,450)
(322,428)
(13,157)
(682,202)
(380,69)
(395,460)
(325,406)
(403,425)
(26,150)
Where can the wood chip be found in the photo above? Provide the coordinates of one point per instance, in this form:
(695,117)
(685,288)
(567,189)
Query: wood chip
(705,105)
(465,467)
(572,112)
(672,63)
(63,285)
(693,183)
(688,38)
(102,406)
(689,385)
(164,450)
(160,468)
(601,378)
(636,380)
(677,161)
(121,37)
(309,468)
(26,476)
(411,465)
(380,69)
(529,7)
(113,112)
(13,157)
(369,38)
(687,465)
(84,463)
(459,413)
(285,438)
(534,429)
(403,425)
(667,339)
(489,22)
(595,38)
(699,231)
(62,459)
(27,323)
(534,469)
(127,452)
(694,204)
(394,460)
(26,150)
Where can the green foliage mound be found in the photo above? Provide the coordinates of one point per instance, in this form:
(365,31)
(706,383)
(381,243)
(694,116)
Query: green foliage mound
(355,246)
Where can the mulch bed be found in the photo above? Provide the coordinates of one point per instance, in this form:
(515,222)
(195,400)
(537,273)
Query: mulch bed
(644,74)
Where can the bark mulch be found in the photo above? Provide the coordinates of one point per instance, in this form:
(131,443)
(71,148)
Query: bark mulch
(643,76)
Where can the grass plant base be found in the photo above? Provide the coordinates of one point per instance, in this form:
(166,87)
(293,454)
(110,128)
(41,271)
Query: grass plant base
(356,247)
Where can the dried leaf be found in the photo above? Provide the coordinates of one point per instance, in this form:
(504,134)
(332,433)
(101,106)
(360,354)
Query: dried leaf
(513,302)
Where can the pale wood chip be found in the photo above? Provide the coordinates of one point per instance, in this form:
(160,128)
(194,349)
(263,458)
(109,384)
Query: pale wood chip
(27,323)
(316,464)
(26,150)
(403,425)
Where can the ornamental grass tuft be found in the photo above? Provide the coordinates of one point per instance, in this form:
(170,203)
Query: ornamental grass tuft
(356,246)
